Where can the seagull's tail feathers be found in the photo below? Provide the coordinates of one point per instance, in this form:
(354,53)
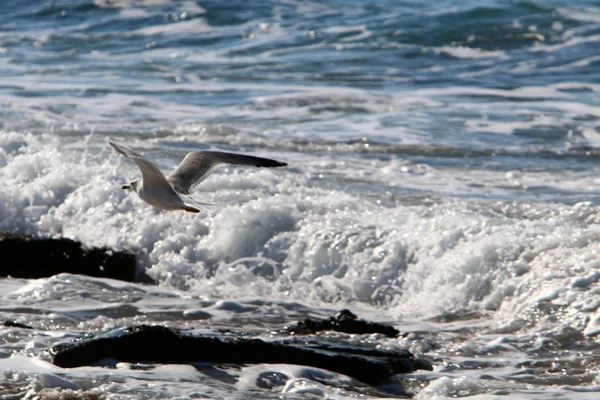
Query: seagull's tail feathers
(189,208)
(194,204)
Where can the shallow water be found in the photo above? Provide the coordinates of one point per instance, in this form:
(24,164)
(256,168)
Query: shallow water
(442,178)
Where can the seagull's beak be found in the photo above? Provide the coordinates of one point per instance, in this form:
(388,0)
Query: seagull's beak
(126,187)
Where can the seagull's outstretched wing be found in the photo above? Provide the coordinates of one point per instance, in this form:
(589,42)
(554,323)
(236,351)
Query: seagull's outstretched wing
(151,176)
(196,166)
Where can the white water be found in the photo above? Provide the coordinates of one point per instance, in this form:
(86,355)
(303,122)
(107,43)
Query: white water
(283,243)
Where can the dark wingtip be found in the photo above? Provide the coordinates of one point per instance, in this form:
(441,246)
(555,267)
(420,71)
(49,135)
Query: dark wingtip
(278,164)
(271,164)
(115,146)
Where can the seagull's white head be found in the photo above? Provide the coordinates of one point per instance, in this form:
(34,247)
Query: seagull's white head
(133,186)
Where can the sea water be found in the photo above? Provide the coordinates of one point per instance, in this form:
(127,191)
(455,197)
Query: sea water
(443,178)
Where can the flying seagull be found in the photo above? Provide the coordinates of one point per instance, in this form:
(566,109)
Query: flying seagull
(170,192)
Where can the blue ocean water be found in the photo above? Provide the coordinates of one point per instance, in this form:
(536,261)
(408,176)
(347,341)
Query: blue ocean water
(443,177)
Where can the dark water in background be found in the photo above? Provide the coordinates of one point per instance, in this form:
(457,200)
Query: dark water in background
(456,80)
(444,162)
(488,64)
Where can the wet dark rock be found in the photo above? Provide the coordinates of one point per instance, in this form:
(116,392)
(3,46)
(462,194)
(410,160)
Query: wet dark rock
(35,257)
(15,324)
(344,321)
(271,379)
(158,344)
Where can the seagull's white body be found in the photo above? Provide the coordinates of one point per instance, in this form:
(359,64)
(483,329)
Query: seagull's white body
(165,198)
(169,193)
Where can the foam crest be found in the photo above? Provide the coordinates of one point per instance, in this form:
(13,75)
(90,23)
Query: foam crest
(197,25)
(130,3)
(281,233)
(426,261)
(36,179)
(469,52)
(235,232)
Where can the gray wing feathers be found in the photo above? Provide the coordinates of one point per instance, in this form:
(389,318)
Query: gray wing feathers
(151,176)
(126,151)
(196,166)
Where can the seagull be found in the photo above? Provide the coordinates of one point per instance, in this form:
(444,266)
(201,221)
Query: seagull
(170,192)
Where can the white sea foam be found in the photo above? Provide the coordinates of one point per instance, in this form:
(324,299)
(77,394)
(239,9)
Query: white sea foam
(181,27)
(580,14)
(469,52)
(571,42)
(282,235)
(129,3)
(133,13)
(529,92)
(477,389)
(585,62)
(191,7)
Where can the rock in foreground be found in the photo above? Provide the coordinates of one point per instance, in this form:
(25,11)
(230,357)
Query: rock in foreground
(31,257)
(157,344)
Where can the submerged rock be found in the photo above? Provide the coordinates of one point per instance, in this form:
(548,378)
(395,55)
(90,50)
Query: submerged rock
(15,324)
(344,321)
(34,257)
(158,344)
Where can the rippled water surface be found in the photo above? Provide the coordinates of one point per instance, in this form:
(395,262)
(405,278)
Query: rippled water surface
(443,178)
